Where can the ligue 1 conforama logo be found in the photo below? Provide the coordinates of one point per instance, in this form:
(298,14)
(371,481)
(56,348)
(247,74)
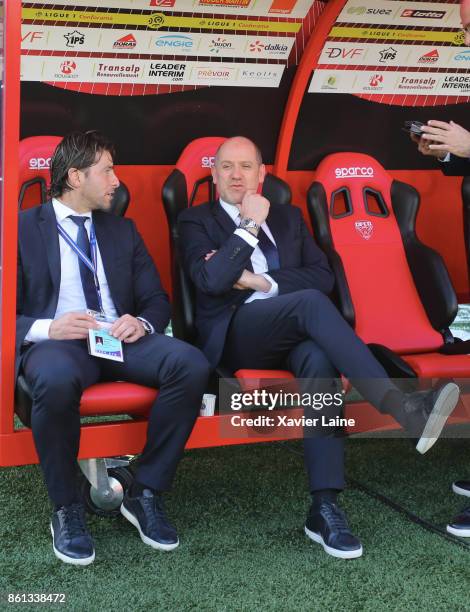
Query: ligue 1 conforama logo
(364,229)
(68,67)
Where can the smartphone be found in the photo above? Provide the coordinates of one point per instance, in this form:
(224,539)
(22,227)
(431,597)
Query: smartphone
(413,127)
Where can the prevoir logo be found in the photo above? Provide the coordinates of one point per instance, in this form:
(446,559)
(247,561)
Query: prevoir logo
(354,172)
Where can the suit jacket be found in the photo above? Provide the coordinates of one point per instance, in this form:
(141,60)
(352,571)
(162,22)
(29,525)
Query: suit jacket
(207,227)
(133,279)
(456,166)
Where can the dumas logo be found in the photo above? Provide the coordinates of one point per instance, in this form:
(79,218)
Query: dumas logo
(207,161)
(126,42)
(364,228)
(354,172)
(39,163)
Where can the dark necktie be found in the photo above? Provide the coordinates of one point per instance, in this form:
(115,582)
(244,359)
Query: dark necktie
(88,281)
(269,250)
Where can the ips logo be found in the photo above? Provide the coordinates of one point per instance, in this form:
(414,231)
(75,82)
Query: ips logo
(39,163)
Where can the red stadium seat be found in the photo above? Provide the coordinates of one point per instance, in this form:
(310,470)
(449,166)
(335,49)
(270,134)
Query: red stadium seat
(180,191)
(393,290)
(35,155)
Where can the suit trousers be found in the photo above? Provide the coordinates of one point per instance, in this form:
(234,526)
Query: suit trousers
(58,371)
(305,333)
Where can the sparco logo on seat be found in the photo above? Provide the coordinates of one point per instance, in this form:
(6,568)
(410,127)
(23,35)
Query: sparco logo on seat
(39,163)
(354,172)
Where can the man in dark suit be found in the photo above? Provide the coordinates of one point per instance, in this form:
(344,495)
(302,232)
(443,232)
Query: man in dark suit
(61,277)
(262,287)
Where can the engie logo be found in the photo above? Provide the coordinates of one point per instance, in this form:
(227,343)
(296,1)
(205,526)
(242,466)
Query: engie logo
(39,163)
(207,162)
(354,172)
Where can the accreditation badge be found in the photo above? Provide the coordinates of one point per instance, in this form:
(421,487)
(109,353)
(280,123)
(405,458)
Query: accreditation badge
(101,343)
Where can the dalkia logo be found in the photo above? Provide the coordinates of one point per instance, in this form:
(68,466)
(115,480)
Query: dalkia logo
(207,161)
(423,14)
(68,67)
(354,172)
(126,42)
(364,228)
(39,163)
(429,58)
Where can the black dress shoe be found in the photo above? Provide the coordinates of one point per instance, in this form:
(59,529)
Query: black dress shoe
(327,525)
(460,526)
(71,540)
(426,413)
(147,513)
(461,487)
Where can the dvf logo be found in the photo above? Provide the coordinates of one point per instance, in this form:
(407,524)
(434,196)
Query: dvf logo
(364,228)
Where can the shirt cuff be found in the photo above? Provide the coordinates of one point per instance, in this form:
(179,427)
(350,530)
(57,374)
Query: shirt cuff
(39,330)
(148,323)
(247,237)
(444,159)
(274,291)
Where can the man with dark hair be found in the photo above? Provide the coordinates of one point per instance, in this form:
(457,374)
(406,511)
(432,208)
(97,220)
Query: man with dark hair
(262,287)
(61,279)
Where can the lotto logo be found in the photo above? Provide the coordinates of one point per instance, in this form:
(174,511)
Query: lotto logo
(207,162)
(354,172)
(39,163)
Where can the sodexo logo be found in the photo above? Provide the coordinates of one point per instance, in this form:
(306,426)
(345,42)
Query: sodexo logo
(39,163)
(174,41)
(354,172)
(207,161)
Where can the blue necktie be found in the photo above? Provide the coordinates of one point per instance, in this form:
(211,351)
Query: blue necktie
(88,281)
(269,250)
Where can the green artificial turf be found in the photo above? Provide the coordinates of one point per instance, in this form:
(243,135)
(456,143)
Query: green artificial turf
(240,514)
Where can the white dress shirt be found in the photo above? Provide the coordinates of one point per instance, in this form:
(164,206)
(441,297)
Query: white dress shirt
(71,297)
(258,260)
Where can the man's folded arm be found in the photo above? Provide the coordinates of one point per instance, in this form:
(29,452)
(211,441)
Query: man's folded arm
(218,274)
(314,273)
(151,300)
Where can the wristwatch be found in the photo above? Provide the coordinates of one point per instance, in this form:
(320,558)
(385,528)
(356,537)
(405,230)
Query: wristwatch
(249,224)
(146,325)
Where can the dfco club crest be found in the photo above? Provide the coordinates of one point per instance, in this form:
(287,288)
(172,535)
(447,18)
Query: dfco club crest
(364,228)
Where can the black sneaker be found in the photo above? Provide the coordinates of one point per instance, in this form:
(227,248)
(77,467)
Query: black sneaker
(426,413)
(148,514)
(460,526)
(461,487)
(71,540)
(327,525)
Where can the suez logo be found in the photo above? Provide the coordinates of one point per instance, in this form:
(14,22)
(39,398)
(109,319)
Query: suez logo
(39,163)
(417,14)
(362,10)
(172,40)
(354,172)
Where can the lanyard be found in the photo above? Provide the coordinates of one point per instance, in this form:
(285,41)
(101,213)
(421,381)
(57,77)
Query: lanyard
(91,264)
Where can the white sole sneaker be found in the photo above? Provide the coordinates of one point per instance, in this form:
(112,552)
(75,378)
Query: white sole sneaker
(145,539)
(71,560)
(459,490)
(445,403)
(460,533)
(341,554)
